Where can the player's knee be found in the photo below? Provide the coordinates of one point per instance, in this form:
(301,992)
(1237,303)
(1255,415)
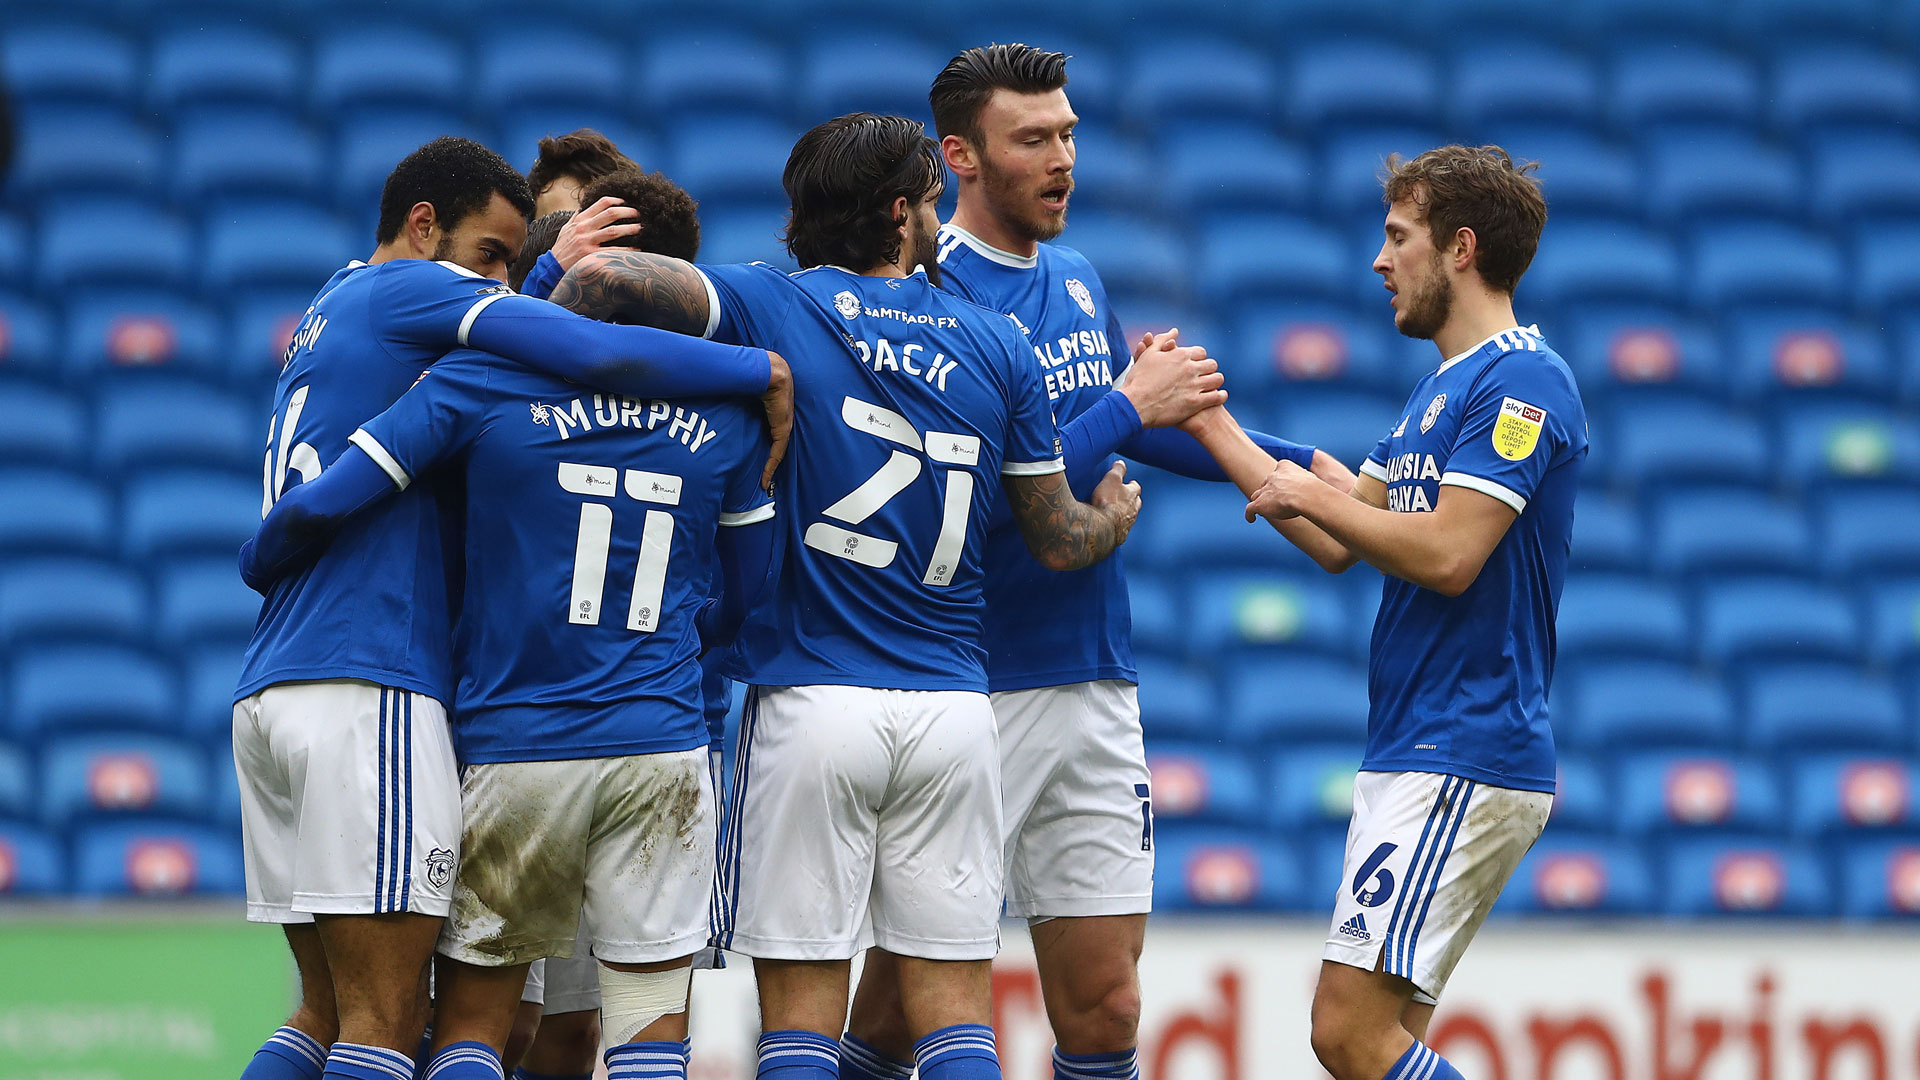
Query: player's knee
(1106,1021)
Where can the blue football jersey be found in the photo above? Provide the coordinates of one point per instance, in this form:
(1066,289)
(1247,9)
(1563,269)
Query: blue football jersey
(376,605)
(1045,627)
(910,404)
(590,530)
(1459,684)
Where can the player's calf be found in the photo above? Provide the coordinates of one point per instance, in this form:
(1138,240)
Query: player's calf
(1090,981)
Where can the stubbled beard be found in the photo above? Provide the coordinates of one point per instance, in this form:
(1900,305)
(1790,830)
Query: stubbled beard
(923,251)
(443,249)
(1429,306)
(1012,201)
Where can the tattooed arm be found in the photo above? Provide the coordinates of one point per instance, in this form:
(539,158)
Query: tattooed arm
(1064,533)
(627,286)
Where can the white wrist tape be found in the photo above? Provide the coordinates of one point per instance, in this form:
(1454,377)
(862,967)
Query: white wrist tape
(632,1000)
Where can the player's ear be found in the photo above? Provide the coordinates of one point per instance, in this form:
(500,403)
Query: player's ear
(1465,246)
(422,221)
(902,212)
(960,156)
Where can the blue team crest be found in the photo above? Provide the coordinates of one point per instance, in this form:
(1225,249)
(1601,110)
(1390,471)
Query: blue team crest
(439,867)
(1081,295)
(1433,412)
(847,304)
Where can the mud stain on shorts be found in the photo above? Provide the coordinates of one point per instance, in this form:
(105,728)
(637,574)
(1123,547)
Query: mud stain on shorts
(520,875)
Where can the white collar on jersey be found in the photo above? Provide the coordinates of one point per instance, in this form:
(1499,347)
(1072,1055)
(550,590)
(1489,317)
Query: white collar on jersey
(917,271)
(993,254)
(1452,360)
(458,269)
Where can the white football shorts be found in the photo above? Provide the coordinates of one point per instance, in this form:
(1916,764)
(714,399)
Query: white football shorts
(861,816)
(624,843)
(1427,855)
(534,990)
(349,801)
(1079,808)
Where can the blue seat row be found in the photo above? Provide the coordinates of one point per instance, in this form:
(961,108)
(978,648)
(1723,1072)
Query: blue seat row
(155,859)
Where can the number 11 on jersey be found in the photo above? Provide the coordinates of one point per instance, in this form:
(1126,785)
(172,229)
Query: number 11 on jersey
(595,539)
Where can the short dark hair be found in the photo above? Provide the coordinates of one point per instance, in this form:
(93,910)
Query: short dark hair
(458,176)
(964,86)
(669,218)
(541,236)
(1478,188)
(842,179)
(585,154)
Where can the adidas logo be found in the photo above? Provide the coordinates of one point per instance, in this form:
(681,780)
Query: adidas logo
(1356,928)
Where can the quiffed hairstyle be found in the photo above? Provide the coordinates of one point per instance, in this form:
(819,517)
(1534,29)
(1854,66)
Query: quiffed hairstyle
(458,176)
(1478,188)
(586,155)
(541,236)
(963,87)
(843,177)
(669,218)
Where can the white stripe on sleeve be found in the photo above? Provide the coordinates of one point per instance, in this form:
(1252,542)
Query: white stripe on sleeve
(380,457)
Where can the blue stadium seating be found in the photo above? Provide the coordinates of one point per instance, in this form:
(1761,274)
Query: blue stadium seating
(55,688)
(1735,877)
(53,512)
(1871,530)
(156,860)
(1893,634)
(85,150)
(1652,445)
(1767,619)
(1834,792)
(65,598)
(1688,169)
(1353,157)
(1610,534)
(209,675)
(202,599)
(1204,783)
(1312,787)
(1825,84)
(27,339)
(1735,263)
(138,330)
(745,234)
(188,512)
(1595,259)
(1678,80)
(1841,189)
(1880,879)
(1683,792)
(239,151)
(1617,615)
(1239,611)
(70,62)
(1114,172)
(269,244)
(1582,874)
(376,65)
(1581,172)
(161,423)
(371,141)
(1286,701)
(1217,166)
(1885,277)
(1314,343)
(1859,446)
(1159,617)
(1177,80)
(76,251)
(1721,529)
(1799,707)
(122,773)
(1136,255)
(1237,258)
(848,70)
(41,425)
(1185,526)
(676,72)
(1779,348)
(523,65)
(521,128)
(1522,80)
(734,158)
(1671,705)
(223,64)
(263,321)
(1181,703)
(1583,797)
(15,252)
(1345,423)
(1343,81)
(1211,868)
(33,862)
(17,778)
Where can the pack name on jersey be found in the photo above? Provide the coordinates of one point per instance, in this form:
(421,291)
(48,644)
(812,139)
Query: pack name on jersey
(614,410)
(1405,492)
(1077,360)
(910,358)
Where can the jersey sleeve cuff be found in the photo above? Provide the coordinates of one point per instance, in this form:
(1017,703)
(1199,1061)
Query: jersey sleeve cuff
(1032,468)
(1376,470)
(1487,487)
(713,304)
(747,517)
(466,324)
(372,448)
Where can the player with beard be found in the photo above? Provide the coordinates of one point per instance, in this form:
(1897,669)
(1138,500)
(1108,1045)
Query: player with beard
(1078,845)
(1467,507)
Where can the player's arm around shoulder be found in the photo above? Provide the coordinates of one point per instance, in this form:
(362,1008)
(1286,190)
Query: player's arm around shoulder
(625,285)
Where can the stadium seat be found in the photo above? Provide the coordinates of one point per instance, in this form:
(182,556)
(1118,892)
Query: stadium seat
(1234,166)
(1581,873)
(53,512)
(150,424)
(202,599)
(854,69)
(1674,80)
(1656,443)
(138,330)
(60,598)
(1772,619)
(1833,792)
(1893,618)
(27,340)
(1880,879)
(223,63)
(1868,532)
(745,233)
(1115,172)
(209,674)
(70,62)
(1345,423)
(1670,705)
(1615,615)
(732,158)
(1854,173)
(274,244)
(262,325)
(1159,615)
(17,782)
(56,688)
(677,72)
(71,150)
(224,803)
(1737,877)
(1177,701)
(75,251)
(1825,84)
(122,773)
(16,254)
(1341,81)
(1134,253)
(1176,80)
(375,65)
(33,862)
(1201,868)
(1312,787)
(1202,782)
(1287,701)
(1353,157)
(1784,348)
(1583,798)
(189,511)
(1643,348)
(1758,262)
(1688,169)
(1799,707)
(1825,443)
(1662,792)
(1237,259)
(1581,173)
(1885,277)
(371,141)
(157,860)
(1595,259)
(540,64)
(237,151)
(1631,20)
(1608,534)
(1723,529)
(1522,79)
(1271,611)
(1313,343)
(41,425)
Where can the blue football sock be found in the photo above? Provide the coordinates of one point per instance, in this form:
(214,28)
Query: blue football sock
(798,1055)
(1120,1065)
(425,1052)
(959,1052)
(648,1061)
(352,1061)
(1420,1063)
(860,1061)
(464,1061)
(288,1054)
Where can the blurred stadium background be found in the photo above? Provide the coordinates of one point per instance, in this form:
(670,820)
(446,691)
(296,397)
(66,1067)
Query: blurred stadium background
(1731,267)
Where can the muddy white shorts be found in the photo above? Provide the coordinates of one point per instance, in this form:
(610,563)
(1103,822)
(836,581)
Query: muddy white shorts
(1427,855)
(1079,809)
(624,843)
(862,816)
(349,801)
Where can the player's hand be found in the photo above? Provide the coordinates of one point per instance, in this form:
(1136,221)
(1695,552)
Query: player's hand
(778,402)
(1169,382)
(1281,496)
(592,229)
(1328,468)
(1120,499)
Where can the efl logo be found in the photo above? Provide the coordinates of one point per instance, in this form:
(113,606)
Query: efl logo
(1570,882)
(1749,881)
(141,341)
(1808,359)
(1874,793)
(9,867)
(1700,793)
(160,866)
(1643,355)
(1310,351)
(1903,881)
(122,781)
(1179,784)
(1222,875)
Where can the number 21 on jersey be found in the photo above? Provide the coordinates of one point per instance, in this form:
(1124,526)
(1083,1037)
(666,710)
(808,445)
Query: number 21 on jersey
(898,474)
